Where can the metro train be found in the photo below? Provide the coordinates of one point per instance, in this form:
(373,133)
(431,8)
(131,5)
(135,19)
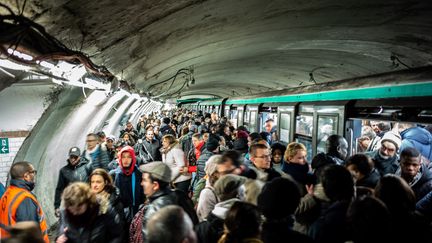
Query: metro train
(311,114)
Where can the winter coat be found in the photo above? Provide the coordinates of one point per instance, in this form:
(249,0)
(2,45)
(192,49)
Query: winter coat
(281,232)
(98,157)
(92,226)
(384,166)
(206,202)
(424,206)
(419,138)
(175,159)
(370,180)
(205,155)
(332,224)
(310,208)
(70,173)
(132,132)
(297,171)
(422,182)
(149,151)
(165,197)
(211,230)
(124,180)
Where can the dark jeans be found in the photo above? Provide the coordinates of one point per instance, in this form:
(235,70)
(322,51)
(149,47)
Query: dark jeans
(183,186)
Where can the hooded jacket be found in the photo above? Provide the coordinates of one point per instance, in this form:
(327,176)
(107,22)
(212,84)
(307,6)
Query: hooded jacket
(128,181)
(419,138)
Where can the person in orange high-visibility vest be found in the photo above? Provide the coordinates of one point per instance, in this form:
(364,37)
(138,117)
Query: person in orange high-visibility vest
(18,203)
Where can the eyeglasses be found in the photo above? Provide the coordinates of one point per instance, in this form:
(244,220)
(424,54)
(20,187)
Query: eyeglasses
(33,172)
(91,140)
(269,156)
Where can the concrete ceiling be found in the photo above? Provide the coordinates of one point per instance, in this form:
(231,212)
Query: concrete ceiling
(240,47)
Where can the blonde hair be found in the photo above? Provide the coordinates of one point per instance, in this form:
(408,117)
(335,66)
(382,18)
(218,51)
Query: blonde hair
(78,193)
(292,150)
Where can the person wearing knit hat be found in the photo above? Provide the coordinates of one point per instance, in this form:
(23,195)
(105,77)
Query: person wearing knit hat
(278,200)
(392,137)
(385,158)
(211,148)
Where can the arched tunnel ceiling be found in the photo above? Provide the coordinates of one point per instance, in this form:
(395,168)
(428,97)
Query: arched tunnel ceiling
(243,46)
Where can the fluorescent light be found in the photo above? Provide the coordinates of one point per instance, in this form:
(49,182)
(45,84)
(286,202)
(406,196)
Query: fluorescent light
(20,54)
(12,65)
(46,64)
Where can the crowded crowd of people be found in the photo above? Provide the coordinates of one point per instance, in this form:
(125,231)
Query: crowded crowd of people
(185,176)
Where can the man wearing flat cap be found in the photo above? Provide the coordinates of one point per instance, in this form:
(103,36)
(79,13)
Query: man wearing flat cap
(156,178)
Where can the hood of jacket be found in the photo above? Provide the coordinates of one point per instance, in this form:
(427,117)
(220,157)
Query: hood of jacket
(418,134)
(222,208)
(127,171)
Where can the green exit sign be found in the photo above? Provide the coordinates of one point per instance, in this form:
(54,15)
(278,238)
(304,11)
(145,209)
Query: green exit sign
(4,149)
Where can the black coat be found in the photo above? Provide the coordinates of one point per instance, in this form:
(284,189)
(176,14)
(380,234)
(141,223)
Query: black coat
(164,198)
(124,184)
(92,227)
(211,230)
(69,174)
(148,151)
(281,232)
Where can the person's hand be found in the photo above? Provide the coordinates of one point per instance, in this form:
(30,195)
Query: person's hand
(57,212)
(62,238)
(310,189)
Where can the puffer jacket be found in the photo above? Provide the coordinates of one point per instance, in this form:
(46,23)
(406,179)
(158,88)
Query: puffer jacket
(205,155)
(419,138)
(164,198)
(422,183)
(70,173)
(99,157)
(92,226)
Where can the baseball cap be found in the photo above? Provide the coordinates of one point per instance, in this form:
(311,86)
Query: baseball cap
(74,151)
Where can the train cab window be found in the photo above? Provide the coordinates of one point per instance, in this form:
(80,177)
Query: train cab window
(327,125)
(304,125)
(285,124)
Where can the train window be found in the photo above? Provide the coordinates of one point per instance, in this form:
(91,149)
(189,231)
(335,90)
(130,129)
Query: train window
(252,121)
(307,142)
(240,117)
(285,123)
(304,125)
(327,125)
(233,118)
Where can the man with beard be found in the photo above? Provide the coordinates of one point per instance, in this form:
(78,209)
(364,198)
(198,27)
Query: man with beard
(386,158)
(18,202)
(81,219)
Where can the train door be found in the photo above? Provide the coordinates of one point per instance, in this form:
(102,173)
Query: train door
(304,129)
(250,118)
(329,121)
(233,116)
(285,124)
(227,111)
(240,115)
(266,112)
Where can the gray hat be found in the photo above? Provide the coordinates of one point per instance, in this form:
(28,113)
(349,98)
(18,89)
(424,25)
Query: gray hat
(392,137)
(74,151)
(228,184)
(158,170)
